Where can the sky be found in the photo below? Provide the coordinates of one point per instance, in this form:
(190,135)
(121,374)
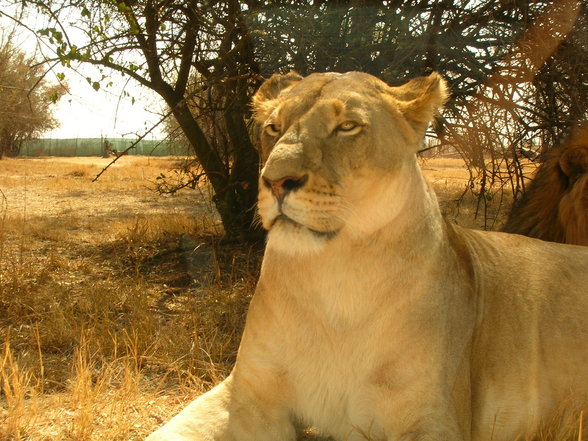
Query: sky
(87,113)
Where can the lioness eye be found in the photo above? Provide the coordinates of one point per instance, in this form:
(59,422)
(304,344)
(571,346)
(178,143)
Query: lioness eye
(272,130)
(348,127)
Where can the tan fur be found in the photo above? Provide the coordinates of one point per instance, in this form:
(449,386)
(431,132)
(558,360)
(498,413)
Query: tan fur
(373,318)
(555,207)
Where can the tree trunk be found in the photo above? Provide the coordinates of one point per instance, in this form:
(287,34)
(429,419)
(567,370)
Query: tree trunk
(9,145)
(235,191)
(244,174)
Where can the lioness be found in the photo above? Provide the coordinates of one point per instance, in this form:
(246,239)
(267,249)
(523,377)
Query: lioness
(373,318)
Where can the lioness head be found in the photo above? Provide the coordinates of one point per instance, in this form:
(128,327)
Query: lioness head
(336,149)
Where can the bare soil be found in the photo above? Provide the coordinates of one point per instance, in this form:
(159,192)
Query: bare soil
(64,188)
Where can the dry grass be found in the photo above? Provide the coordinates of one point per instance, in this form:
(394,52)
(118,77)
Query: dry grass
(449,177)
(118,306)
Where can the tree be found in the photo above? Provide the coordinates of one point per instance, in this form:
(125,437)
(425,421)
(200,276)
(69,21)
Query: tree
(163,46)
(535,96)
(219,51)
(562,84)
(25,99)
(517,68)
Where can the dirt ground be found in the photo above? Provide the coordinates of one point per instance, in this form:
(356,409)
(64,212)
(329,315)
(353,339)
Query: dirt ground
(62,188)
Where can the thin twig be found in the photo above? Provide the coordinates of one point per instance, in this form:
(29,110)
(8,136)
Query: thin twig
(133,145)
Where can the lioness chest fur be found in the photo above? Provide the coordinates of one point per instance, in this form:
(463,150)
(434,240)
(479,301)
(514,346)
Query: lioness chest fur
(373,318)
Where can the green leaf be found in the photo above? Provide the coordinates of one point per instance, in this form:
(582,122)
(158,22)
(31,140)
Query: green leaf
(96,85)
(57,35)
(122,7)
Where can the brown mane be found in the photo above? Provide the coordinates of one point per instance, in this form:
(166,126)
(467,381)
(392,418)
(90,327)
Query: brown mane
(555,207)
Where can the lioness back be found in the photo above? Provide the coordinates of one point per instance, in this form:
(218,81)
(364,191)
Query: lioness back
(533,300)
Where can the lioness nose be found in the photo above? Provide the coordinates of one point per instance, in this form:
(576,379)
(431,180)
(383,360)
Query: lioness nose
(280,187)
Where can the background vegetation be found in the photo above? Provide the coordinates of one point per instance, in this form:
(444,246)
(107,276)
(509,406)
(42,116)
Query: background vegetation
(116,305)
(520,63)
(25,98)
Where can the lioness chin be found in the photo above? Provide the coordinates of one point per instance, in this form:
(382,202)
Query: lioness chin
(374,319)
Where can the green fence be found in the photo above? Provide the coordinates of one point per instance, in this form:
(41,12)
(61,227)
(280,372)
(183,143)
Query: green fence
(97,147)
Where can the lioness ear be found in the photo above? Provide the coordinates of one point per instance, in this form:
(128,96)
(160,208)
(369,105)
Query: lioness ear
(264,98)
(420,98)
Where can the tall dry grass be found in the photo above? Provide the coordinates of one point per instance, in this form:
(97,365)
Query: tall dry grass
(118,306)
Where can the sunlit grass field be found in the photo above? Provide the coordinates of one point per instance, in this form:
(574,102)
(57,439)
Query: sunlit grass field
(118,305)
